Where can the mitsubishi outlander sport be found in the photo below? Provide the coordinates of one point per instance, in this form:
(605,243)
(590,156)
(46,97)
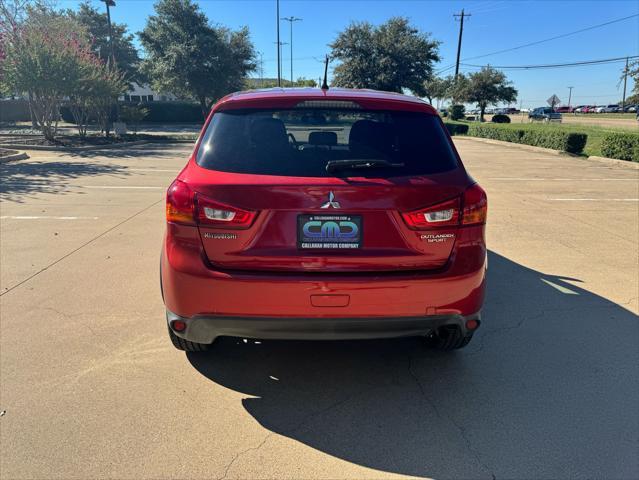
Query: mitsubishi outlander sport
(323,214)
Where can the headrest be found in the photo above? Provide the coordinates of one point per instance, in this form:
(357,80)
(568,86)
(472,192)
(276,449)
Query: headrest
(370,138)
(322,138)
(268,131)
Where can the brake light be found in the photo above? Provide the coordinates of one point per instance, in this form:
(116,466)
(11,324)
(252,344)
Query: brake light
(444,214)
(188,208)
(179,204)
(212,213)
(475,206)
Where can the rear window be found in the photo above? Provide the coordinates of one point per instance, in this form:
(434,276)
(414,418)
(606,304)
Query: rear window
(301,142)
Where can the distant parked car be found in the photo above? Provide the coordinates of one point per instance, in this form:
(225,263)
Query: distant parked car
(611,109)
(607,109)
(544,114)
(578,109)
(564,109)
(512,110)
(631,108)
(525,110)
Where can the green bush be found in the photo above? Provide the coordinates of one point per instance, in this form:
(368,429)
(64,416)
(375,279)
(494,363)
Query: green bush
(495,133)
(556,139)
(457,112)
(622,146)
(456,128)
(14,110)
(65,113)
(133,115)
(67,116)
(173,112)
(499,118)
(159,112)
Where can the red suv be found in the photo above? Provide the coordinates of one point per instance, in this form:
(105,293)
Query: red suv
(323,214)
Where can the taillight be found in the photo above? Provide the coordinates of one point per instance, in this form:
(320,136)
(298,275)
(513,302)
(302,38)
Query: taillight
(475,206)
(444,214)
(188,208)
(216,214)
(180,204)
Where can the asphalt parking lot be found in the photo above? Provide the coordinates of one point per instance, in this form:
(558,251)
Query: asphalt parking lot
(92,388)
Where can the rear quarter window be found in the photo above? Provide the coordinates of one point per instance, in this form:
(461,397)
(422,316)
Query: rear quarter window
(301,142)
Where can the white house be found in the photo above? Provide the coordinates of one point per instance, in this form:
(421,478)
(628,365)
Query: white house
(144,93)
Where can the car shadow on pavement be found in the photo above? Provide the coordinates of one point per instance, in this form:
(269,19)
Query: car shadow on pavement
(23,179)
(547,389)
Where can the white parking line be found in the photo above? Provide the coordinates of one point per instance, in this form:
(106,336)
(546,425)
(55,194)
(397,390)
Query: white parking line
(43,217)
(594,199)
(561,288)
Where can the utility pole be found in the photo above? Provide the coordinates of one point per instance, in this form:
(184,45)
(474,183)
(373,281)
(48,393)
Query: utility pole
(461,31)
(569,94)
(625,79)
(111,62)
(110,3)
(279,46)
(291,20)
(261,54)
(279,62)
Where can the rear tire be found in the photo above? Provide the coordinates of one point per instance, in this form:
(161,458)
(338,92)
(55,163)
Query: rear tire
(187,346)
(447,338)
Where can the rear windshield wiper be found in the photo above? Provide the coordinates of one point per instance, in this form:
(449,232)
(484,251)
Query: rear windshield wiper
(354,163)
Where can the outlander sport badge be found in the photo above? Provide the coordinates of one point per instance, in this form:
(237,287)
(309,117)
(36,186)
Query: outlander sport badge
(332,203)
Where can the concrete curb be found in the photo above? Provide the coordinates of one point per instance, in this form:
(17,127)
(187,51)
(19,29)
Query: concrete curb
(609,161)
(14,157)
(615,162)
(521,146)
(74,149)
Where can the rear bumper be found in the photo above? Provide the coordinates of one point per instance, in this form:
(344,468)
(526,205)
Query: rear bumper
(205,329)
(288,304)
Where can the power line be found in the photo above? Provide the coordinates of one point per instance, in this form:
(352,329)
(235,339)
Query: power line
(444,69)
(554,65)
(554,38)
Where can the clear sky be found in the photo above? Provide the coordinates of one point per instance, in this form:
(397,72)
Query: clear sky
(493,26)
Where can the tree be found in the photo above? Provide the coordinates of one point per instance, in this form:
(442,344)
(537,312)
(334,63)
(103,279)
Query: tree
(393,56)
(633,73)
(439,88)
(488,87)
(304,82)
(458,88)
(96,23)
(253,83)
(44,58)
(133,115)
(188,57)
(106,85)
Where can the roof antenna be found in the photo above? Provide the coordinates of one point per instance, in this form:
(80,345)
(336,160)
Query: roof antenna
(325,83)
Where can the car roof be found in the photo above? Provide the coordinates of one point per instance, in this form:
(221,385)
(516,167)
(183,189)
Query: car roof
(291,97)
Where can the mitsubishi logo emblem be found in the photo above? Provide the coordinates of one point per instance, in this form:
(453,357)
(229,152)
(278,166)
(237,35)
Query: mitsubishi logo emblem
(332,203)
